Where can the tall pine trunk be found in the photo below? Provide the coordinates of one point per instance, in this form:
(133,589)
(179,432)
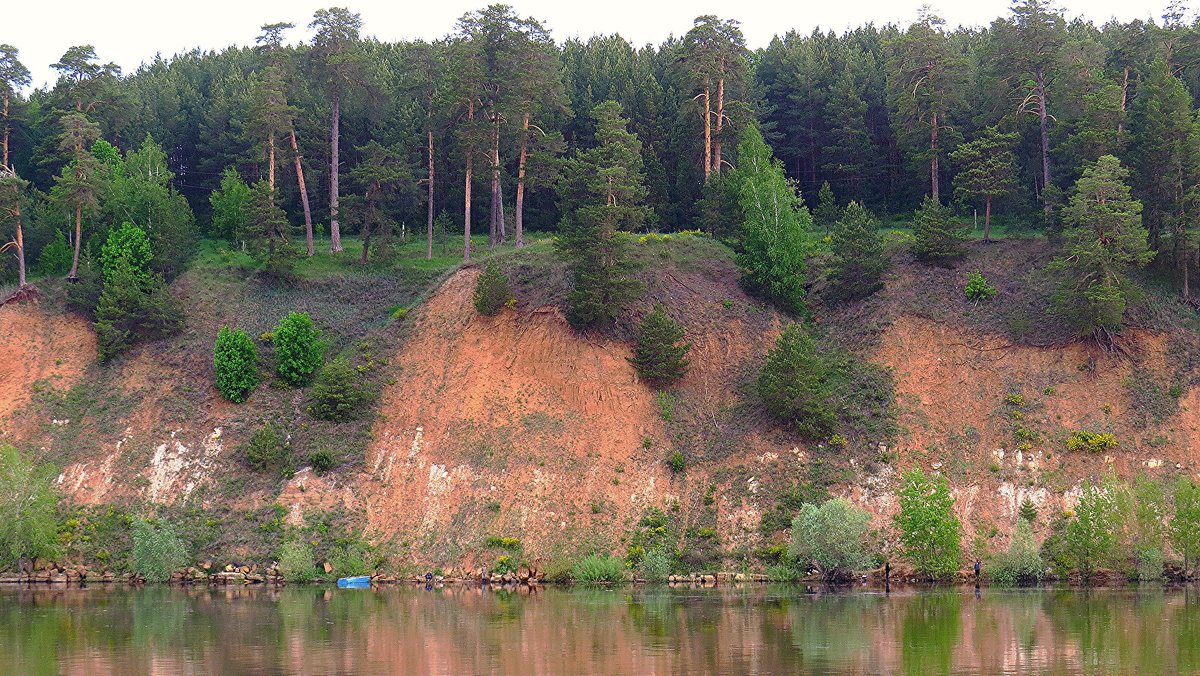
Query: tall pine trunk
(707,131)
(271,163)
(987,219)
(467,188)
(4,158)
(1124,98)
(335,233)
(519,213)
(933,158)
(20,244)
(429,199)
(74,273)
(497,229)
(308,227)
(720,119)
(1043,123)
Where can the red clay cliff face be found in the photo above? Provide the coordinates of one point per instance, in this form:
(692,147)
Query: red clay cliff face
(40,345)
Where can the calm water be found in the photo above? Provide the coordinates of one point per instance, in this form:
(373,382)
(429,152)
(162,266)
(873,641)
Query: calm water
(757,630)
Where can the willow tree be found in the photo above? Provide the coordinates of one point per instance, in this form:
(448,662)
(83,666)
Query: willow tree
(339,55)
(13,76)
(925,81)
(713,56)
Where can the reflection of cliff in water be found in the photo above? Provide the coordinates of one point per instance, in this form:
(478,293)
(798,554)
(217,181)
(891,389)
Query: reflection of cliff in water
(458,630)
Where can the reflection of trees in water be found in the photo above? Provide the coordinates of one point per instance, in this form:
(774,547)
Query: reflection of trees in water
(929,631)
(628,630)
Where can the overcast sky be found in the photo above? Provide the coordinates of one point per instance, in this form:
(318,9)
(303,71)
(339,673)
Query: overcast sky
(129,32)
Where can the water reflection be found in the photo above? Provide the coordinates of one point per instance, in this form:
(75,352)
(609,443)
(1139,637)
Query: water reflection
(463,630)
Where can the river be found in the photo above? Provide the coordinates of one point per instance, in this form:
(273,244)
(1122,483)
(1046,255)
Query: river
(552,630)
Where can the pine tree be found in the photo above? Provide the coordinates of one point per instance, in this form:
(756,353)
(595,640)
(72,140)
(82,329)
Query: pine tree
(492,291)
(76,186)
(849,153)
(1103,240)
(793,385)
(12,192)
(858,258)
(938,236)
(13,77)
(925,81)
(659,355)
(269,233)
(827,212)
(987,170)
(384,178)
(602,193)
(775,226)
(1160,122)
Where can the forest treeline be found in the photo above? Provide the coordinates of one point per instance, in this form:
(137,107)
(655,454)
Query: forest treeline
(473,131)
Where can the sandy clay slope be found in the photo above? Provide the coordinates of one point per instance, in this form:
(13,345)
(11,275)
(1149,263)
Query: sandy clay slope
(39,346)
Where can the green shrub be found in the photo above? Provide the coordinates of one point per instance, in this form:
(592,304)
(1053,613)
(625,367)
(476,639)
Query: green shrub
(937,235)
(492,290)
(322,462)
(157,551)
(1021,563)
(1091,534)
(598,569)
(677,462)
(349,560)
(833,537)
(55,258)
(296,562)
(655,565)
(1028,511)
(235,360)
(268,450)
(28,526)
(298,348)
(666,404)
(977,288)
(499,542)
(659,355)
(337,394)
(930,533)
(1082,440)
(793,385)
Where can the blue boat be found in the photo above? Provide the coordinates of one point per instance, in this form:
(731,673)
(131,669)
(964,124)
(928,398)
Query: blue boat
(360,582)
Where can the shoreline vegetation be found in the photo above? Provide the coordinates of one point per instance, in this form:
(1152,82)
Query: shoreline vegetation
(813,195)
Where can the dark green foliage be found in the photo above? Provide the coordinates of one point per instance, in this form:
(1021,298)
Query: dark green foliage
(235,361)
(269,234)
(338,393)
(775,226)
(27,509)
(930,533)
(793,385)
(298,348)
(659,353)
(55,258)
(858,258)
(134,303)
(157,550)
(1103,241)
(988,170)
(718,211)
(268,450)
(978,289)
(1028,511)
(492,290)
(602,193)
(938,236)
(322,462)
